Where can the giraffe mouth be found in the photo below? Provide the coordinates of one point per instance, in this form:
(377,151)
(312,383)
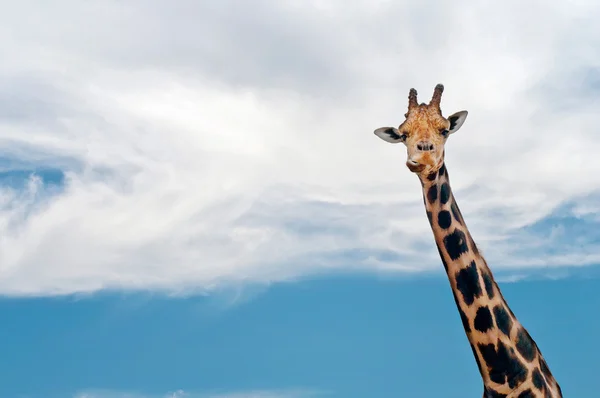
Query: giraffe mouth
(415,167)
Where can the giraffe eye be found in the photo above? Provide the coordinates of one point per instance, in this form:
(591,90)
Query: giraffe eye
(444,132)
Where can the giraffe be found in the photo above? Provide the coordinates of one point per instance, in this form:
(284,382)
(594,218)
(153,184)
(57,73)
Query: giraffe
(509,361)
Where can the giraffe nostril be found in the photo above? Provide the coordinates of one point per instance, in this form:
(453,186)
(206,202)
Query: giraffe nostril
(424,146)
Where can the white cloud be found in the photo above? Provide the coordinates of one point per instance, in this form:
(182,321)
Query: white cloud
(270,394)
(222,142)
(290,393)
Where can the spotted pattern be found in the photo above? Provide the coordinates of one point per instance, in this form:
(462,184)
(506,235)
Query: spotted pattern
(503,362)
(456,213)
(503,321)
(442,170)
(467,283)
(504,366)
(526,394)
(455,244)
(444,193)
(525,345)
(483,319)
(488,283)
(444,219)
(544,368)
(432,193)
(538,380)
(465,320)
(463,317)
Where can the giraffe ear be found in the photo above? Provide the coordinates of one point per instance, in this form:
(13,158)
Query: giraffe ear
(456,121)
(390,134)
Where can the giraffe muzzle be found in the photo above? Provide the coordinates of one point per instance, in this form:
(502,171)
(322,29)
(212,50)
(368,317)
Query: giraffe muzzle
(414,166)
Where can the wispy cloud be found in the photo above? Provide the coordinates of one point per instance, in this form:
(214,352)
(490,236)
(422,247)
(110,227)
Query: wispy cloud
(211,143)
(271,394)
(291,393)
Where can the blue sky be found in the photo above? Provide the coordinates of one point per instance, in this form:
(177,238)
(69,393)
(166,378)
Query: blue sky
(193,203)
(351,336)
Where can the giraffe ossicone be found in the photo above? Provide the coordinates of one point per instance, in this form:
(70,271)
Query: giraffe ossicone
(509,361)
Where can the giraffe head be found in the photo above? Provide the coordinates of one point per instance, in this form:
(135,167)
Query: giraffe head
(424,132)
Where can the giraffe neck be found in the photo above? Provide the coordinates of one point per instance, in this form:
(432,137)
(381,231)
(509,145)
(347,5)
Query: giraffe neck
(509,360)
